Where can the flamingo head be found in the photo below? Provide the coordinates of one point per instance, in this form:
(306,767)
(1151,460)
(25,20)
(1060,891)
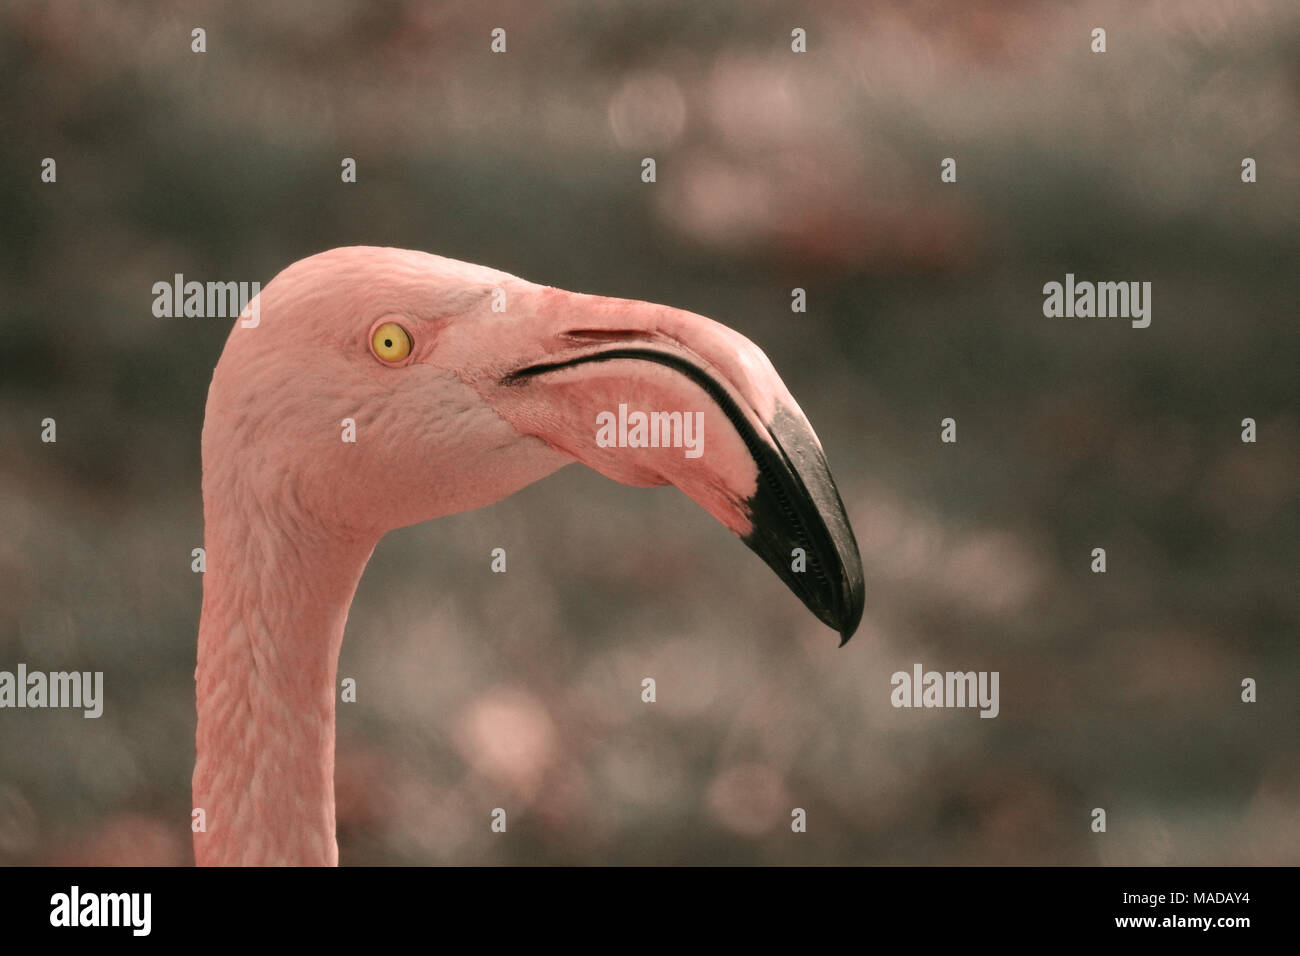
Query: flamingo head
(383,387)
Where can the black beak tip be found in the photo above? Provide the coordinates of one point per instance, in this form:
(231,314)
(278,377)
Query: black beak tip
(798,506)
(852,598)
(832,585)
(849,627)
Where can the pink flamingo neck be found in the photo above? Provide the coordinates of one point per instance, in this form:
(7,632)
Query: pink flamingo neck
(275,603)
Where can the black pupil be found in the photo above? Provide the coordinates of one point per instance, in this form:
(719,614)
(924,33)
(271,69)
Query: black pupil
(388,343)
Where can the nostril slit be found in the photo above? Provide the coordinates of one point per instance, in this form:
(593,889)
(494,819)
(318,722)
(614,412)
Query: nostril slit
(611,335)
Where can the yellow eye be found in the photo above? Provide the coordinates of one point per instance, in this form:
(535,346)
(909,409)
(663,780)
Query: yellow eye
(391,343)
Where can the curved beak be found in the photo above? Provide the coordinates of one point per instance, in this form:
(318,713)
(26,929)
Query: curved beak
(756,463)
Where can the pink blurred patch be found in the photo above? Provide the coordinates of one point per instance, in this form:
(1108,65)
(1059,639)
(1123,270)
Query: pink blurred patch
(748,799)
(507,736)
(648,110)
(128,839)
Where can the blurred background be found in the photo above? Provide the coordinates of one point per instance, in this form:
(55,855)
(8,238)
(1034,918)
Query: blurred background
(775,170)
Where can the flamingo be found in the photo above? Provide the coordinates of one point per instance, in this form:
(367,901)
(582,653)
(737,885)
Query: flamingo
(463,384)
